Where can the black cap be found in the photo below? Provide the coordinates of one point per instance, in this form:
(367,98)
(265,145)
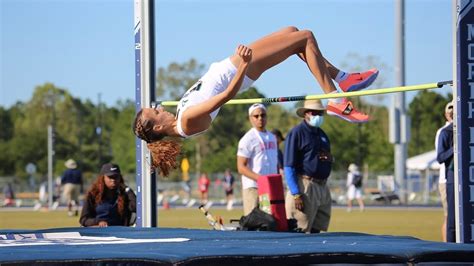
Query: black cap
(277,133)
(110,169)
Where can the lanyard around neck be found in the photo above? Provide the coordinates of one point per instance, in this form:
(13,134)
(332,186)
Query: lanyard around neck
(260,140)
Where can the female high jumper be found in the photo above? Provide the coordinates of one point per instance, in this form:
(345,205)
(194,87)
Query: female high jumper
(200,104)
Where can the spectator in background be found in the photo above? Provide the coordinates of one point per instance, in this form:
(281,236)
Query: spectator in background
(42,196)
(109,201)
(229,188)
(72,183)
(203,185)
(308,162)
(256,156)
(186,181)
(9,195)
(354,187)
(280,139)
(445,155)
(56,192)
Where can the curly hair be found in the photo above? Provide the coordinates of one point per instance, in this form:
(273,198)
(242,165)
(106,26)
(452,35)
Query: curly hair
(164,152)
(98,188)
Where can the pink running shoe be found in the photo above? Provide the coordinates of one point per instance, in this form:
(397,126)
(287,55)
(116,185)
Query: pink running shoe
(346,111)
(359,81)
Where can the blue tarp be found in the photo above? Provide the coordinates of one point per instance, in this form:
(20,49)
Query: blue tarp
(124,245)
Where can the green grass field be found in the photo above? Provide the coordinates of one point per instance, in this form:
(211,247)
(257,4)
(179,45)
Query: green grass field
(420,223)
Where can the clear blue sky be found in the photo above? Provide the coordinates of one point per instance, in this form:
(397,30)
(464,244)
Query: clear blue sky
(87,46)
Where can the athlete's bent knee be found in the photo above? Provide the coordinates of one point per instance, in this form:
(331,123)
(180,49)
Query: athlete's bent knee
(309,36)
(291,29)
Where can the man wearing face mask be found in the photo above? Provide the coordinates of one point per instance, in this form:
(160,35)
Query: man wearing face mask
(307,165)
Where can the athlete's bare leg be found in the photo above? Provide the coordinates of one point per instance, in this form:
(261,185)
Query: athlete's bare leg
(274,49)
(333,71)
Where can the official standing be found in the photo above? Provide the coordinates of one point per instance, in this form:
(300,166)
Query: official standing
(72,183)
(307,165)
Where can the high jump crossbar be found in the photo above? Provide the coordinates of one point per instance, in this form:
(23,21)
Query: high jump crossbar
(328,96)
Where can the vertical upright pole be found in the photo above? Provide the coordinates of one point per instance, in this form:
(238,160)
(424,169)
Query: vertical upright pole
(144,94)
(463,68)
(455,14)
(50,166)
(399,101)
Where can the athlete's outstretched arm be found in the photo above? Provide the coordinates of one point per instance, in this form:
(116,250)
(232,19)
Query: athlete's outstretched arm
(209,106)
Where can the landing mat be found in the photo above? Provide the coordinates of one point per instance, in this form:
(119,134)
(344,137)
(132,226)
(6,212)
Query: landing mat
(169,246)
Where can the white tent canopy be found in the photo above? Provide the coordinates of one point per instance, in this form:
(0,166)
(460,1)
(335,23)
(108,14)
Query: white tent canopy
(426,168)
(424,161)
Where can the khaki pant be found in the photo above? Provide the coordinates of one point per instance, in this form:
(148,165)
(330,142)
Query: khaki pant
(316,212)
(442,193)
(71,193)
(250,199)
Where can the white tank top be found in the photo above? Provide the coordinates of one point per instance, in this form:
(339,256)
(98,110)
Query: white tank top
(215,81)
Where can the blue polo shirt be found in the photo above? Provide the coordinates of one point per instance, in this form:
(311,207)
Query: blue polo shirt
(73,176)
(302,148)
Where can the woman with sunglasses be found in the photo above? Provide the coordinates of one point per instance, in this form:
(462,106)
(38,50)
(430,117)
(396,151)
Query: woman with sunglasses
(109,201)
(201,103)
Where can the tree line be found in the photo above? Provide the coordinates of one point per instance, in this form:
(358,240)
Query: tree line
(94,133)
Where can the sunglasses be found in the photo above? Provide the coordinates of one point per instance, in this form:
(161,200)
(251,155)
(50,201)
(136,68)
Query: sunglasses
(260,115)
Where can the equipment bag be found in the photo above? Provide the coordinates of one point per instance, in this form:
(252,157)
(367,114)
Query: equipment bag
(258,220)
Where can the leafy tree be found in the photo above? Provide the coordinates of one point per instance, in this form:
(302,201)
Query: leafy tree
(6,134)
(172,82)
(379,156)
(281,118)
(7,124)
(122,137)
(91,145)
(427,115)
(49,106)
(365,144)
(73,131)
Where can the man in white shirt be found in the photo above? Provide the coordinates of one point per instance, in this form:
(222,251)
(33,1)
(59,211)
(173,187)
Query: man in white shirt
(257,155)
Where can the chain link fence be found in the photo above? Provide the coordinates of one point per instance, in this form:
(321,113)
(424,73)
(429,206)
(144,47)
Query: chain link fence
(378,189)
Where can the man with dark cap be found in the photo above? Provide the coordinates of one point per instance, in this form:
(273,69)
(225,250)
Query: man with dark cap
(307,165)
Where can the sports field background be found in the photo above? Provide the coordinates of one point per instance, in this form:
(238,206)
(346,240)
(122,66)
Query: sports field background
(422,223)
